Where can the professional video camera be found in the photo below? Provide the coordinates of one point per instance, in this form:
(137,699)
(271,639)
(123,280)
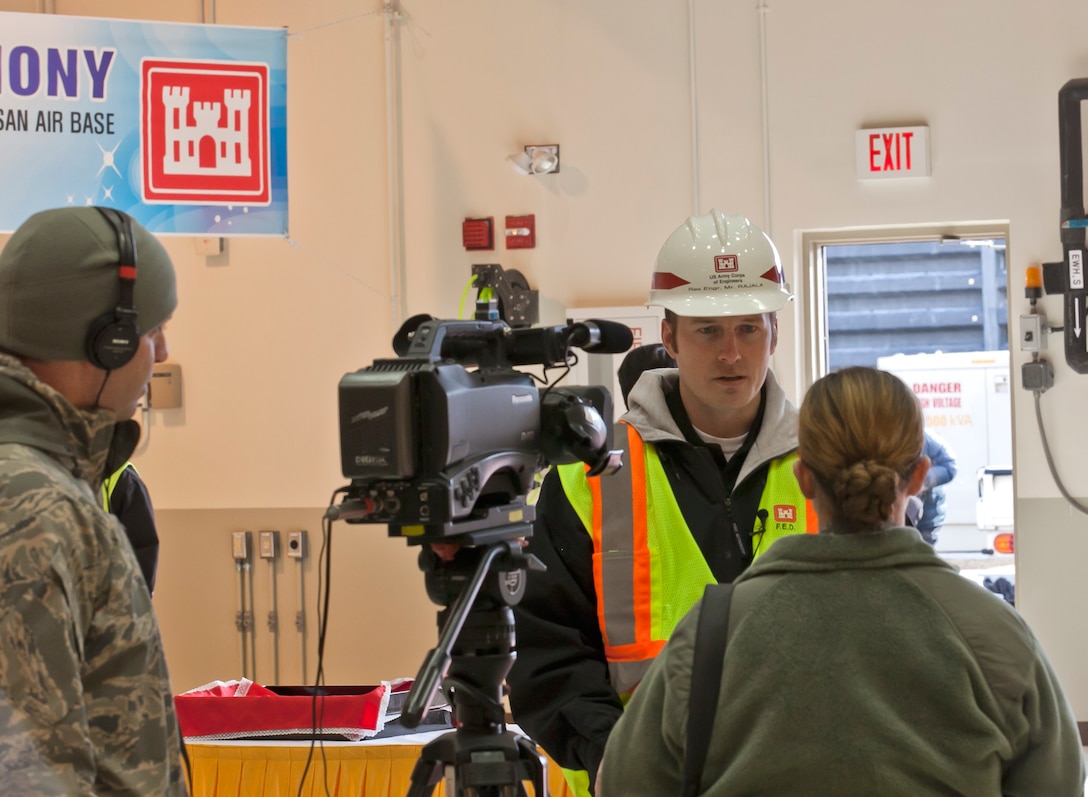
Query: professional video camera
(431,447)
(447,456)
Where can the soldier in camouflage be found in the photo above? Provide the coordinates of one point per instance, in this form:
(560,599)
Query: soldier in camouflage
(85,701)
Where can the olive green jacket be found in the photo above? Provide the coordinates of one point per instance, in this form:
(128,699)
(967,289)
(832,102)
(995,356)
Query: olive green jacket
(857,665)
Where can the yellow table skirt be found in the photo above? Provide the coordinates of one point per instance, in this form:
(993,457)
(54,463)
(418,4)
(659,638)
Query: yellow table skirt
(274,769)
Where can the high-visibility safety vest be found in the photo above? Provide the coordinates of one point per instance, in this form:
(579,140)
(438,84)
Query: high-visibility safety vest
(111,482)
(647,567)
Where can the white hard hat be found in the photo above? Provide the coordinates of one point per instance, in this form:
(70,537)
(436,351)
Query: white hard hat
(716,265)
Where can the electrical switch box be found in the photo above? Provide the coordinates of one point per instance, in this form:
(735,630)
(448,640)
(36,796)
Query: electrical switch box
(239,545)
(521,232)
(1037,376)
(164,391)
(478,234)
(209,245)
(1032,333)
(296,545)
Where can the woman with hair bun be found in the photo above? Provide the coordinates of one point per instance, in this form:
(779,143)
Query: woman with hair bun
(858,662)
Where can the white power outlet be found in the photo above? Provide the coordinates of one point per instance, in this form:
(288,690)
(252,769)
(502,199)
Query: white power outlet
(269,544)
(239,545)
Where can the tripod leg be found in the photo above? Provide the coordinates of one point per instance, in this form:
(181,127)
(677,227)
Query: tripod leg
(426,774)
(480,758)
(536,763)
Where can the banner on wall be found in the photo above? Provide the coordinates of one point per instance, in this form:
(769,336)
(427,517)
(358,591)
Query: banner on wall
(182,126)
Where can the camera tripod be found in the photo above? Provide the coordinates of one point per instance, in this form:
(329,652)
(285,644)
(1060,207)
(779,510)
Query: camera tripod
(475,651)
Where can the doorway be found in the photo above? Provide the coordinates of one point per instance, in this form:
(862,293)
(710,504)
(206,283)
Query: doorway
(931,306)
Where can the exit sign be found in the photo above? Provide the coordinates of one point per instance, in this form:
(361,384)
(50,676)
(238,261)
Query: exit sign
(884,152)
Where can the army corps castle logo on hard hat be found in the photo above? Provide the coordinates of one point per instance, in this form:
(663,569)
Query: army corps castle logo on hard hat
(718,265)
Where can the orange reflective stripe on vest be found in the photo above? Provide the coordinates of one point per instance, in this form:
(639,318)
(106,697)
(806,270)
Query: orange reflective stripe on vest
(622,567)
(647,568)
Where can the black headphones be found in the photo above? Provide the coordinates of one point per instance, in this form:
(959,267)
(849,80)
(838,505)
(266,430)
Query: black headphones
(114,337)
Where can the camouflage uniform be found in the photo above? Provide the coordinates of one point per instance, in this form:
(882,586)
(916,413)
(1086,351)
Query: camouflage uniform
(85,701)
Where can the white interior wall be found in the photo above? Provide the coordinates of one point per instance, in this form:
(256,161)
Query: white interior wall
(264,335)
(986,82)
(609,86)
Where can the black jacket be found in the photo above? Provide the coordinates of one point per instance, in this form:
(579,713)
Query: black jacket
(130,503)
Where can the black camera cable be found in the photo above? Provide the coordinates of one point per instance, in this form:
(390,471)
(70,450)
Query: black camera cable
(317,714)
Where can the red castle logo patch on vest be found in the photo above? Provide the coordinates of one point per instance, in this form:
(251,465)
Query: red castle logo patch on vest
(785,513)
(204,132)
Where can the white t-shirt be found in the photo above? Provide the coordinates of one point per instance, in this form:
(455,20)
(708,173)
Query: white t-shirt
(728,445)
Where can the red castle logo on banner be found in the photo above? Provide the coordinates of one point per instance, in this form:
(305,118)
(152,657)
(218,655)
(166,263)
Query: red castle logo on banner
(204,132)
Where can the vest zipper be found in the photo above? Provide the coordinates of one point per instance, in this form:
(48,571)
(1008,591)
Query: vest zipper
(736,529)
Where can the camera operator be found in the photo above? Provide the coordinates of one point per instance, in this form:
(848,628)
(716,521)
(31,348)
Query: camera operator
(706,487)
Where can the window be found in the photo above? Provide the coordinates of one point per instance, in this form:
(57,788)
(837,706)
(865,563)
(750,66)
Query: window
(914,298)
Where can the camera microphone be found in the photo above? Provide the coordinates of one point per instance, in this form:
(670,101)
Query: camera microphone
(493,343)
(600,336)
(549,345)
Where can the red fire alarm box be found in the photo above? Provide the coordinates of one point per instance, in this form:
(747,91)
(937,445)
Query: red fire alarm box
(478,234)
(520,232)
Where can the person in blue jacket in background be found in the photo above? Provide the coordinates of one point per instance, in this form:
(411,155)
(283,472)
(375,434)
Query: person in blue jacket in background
(942,470)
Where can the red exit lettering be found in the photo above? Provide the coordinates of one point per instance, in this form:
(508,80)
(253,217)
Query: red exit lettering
(890,152)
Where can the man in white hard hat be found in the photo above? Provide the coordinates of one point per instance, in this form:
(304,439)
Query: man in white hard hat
(707,486)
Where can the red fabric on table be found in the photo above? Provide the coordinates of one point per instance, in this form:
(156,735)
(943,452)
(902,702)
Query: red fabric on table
(239,709)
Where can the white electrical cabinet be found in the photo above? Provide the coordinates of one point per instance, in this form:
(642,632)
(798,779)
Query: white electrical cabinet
(966,400)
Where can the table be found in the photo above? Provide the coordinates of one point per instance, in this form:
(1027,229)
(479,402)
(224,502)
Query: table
(373,768)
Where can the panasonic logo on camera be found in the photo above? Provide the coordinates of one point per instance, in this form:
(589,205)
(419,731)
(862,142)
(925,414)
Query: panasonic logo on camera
(520,399)
(369,415)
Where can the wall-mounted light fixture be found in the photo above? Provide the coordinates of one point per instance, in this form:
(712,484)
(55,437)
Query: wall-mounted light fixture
(536,159)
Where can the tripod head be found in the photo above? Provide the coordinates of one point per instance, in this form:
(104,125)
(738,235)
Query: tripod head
(477,587)
(475,651)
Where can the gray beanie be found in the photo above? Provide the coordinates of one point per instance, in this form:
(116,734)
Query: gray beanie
(59,272)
